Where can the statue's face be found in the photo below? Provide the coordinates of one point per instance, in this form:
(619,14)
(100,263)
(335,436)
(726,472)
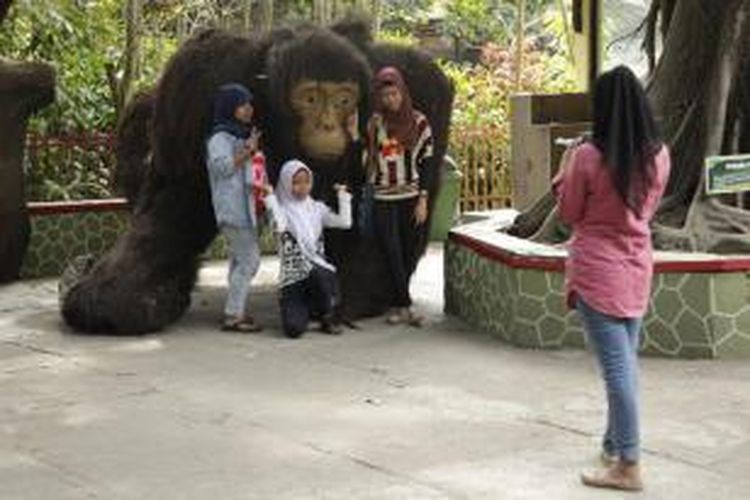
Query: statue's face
(324,109)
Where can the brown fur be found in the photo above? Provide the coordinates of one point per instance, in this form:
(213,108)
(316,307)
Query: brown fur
(144,283)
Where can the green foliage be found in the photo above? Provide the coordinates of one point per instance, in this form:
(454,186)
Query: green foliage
(480,139)
(69,167)
(85,40)
(396,37)
(483,90)
(475,21)
(402,16)
(80,38)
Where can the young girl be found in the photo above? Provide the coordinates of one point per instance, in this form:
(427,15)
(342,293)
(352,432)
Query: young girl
(608,189)
(399,148)
(228,151)
(307,279)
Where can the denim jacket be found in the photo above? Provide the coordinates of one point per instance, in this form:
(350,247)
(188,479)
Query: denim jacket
(230,186)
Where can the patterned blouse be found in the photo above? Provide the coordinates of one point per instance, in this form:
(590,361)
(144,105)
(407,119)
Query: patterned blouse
(398,172)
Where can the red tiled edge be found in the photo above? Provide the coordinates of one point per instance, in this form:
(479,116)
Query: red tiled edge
(69,207)
(506,257)
(739,264)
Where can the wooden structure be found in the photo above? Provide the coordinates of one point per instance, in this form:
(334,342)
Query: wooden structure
(486,182)
(537,122)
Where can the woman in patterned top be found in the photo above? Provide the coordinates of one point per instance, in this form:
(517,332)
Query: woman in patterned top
(307,279)
(399,146)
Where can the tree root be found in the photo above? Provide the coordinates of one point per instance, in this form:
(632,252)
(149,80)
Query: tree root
(553,230)
(710,226)
(670,238)
(706,225)
(528,223)
(726,218)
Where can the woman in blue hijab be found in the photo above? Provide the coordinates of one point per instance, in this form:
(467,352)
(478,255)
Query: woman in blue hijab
(229,150)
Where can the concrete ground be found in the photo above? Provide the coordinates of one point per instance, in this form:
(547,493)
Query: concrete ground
(379,413)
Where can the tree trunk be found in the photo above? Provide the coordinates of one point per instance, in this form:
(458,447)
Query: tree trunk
(4,7)
(705,46)
(247,15)
(698,90)
(267,15)
(131,70)
(563,8)
(681,107)
(24,88)
(520,21)
(318,13)
(376,4)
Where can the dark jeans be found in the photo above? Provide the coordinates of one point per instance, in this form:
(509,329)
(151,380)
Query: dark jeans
(315,296)
(396,232)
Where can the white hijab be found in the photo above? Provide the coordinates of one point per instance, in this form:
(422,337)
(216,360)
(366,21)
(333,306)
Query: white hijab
(304,217)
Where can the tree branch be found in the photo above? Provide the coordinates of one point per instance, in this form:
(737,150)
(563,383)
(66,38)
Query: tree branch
(4,8)
(649,39)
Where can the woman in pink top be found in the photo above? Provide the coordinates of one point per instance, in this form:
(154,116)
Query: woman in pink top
(608,189)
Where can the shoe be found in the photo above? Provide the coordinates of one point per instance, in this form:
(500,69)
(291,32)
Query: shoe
(608,459)
(397,316)
(620,476)
(243,325)
(414,319)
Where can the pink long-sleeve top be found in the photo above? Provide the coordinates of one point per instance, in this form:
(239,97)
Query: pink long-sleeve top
(610,259)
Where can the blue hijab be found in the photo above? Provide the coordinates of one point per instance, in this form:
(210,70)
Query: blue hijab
(228,98)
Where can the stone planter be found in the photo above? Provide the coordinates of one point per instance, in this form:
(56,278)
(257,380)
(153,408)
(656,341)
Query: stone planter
(513,288)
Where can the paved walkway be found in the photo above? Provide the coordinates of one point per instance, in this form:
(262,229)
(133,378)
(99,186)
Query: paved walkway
(379,413)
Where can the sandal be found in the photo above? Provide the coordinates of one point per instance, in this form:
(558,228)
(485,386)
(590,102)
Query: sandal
(330,326)
(414,319)
(242,325)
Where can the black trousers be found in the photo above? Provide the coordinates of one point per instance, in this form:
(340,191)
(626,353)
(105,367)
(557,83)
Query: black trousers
(314,297)
(398,235)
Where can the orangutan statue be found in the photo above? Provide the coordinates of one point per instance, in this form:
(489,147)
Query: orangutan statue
(308,82)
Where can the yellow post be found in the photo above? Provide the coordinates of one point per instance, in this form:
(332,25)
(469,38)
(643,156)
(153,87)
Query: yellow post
(586,16)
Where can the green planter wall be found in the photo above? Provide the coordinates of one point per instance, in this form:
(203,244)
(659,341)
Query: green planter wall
(514,289)
(61,231)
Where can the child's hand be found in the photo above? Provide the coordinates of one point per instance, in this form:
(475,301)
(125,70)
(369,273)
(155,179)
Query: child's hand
(420,211)
(352,126)
(267,189)
(241,157)
(252,142)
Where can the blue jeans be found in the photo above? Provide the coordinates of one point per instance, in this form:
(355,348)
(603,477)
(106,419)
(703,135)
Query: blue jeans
(615,342)
(244,261)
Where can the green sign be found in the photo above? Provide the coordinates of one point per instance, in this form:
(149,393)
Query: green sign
(727,174)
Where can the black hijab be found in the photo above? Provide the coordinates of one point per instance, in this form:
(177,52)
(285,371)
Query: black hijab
(228,98)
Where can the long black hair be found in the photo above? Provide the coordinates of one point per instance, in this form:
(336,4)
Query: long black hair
(625,132)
